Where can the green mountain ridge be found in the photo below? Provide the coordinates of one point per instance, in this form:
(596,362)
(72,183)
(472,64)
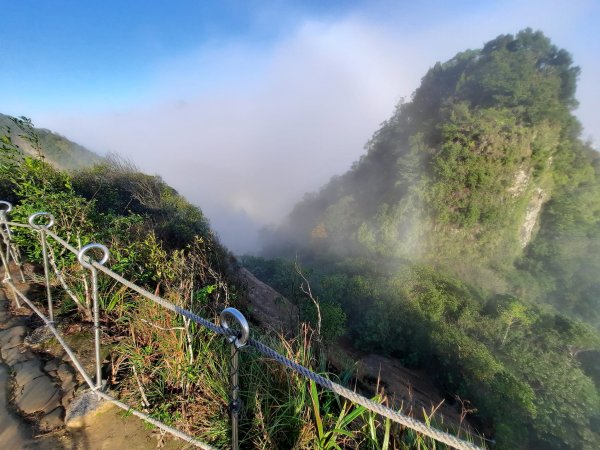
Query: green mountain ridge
(465,242)
(480,172)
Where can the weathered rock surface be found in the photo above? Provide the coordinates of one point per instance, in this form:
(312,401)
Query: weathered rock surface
(16,355)
(65,372)
(13,432)
(33,389)
(52,420)
(39,335)
(26,367)
(12,337)
(83,408)
(268,307)
(6,323)
(27,371)
(40,394)
(51,366)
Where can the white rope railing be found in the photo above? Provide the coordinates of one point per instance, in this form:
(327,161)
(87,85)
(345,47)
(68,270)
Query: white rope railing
(236,340)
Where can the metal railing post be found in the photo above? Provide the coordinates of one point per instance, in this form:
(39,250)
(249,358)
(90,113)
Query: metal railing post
(5,231)
(237,341)
(86,262)
(42,230)
(6,207)
(6,236)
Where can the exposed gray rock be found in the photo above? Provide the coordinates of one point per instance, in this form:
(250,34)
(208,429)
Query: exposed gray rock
(5,314)
(16,355)
(51,365)
(532,215)
(12,336)
(27,371)
(65,372)
(38,395)
(68,393)
(39,335)
(14,433)
(69,385)
(36,384)
(11,322)
(270,308)
(83,408)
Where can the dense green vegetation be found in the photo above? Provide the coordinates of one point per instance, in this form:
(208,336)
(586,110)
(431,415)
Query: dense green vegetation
(159,362)
(465,242)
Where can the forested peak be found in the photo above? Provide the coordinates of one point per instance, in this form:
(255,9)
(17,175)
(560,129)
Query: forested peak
(524,72)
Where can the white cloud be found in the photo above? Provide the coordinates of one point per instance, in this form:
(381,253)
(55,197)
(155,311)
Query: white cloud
(245,131)
(272,129)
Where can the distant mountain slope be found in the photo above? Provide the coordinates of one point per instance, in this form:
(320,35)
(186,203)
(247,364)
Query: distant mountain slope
(57,149)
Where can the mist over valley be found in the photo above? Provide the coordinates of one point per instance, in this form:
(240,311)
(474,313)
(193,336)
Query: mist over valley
(404,199)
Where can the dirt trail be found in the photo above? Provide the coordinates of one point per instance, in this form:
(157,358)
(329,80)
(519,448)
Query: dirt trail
(109,429)
(15,433)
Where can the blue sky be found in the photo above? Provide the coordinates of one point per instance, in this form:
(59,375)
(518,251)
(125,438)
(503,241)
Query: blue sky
(77,52)
(98,54)
(243,106)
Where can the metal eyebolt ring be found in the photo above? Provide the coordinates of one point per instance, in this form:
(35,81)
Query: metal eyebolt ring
(81,256)
(8,206)
(240,340)
(34,217)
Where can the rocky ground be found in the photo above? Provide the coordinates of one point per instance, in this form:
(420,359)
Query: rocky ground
(41,393)
(26,388)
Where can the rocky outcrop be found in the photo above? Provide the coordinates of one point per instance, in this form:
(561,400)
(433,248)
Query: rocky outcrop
(83,408)
(532,215)
(267,306)
(520,182)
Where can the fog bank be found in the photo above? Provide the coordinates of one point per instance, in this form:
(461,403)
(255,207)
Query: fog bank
(243,131)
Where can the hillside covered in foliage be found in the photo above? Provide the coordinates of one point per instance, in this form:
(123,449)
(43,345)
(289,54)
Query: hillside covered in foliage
(156,361)
(466,241)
